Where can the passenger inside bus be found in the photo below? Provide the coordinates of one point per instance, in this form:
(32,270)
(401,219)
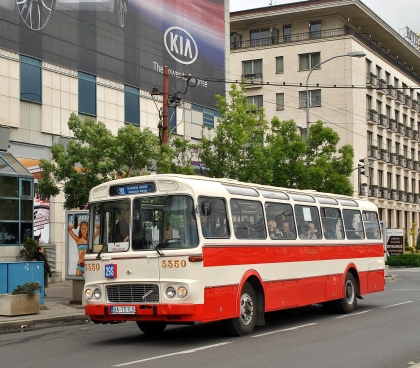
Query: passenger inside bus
(123,227)
(273,231)
(309,231)
(287,233)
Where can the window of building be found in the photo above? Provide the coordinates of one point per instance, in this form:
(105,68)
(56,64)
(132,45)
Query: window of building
(389,180)
(389,145)
(235,40)
(314,98)
(396,82)
(397,148)
(379,106)
(87,94)
(388,111)
(172,125)
(380,141)
(279,101)
(378,72)
(388,78)
(279,64)
(208,117)
(252,69)
(412,124)
(397,116)
(287,33)
(368,102)
(315,29)
(30,79)
(131,105)
(256,100)
(260,36)
(369,138)
(368,66)
(308,61)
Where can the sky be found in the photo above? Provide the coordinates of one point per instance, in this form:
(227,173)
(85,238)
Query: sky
(396,13)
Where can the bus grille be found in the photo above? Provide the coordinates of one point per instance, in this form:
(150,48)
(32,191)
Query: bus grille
(132,293)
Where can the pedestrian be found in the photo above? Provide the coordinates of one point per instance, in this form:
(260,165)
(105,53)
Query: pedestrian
(39,256)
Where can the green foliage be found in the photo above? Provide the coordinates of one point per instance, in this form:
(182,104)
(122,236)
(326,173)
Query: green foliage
(406,260)
(95,156)
(245,147)
(30,247)
(29,288)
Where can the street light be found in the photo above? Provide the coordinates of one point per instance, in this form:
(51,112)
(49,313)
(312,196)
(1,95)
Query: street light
(357,54)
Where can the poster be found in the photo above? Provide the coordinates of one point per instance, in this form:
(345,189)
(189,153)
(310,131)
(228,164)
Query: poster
(77,226)
(395,241)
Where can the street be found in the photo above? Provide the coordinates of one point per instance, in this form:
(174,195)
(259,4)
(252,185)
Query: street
(383,332)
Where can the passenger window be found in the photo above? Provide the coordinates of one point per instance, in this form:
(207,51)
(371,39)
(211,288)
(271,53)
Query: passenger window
(215,224)
(280,221)
(307,221)
(248,219)
(353,224)
(373,230)
(332,224)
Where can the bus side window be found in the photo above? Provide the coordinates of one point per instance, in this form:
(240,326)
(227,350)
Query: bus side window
(215,224)
(308,224)
(332,225)
(248,219)
(370,220)
(353,224)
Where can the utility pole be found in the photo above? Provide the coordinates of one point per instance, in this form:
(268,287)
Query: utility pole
(165,94)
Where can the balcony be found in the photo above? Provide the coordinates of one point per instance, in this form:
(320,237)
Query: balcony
(250,79)
(415,106)
(383,120)
(400,97)
(416,198)
(416,165)
(374,191)
(371,80)
(363,189)
(401,129)
(410,197)
(394,159)
(394,194)
(382,87)
(373,152)
(415,135)
(402,196)
(402,161)
(393,125)
(391,92)
(383,193)
(372,116)
(410,163)
(408,132)
(384,155)
(407,101)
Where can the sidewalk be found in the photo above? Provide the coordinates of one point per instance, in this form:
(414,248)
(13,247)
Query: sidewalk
(56,308)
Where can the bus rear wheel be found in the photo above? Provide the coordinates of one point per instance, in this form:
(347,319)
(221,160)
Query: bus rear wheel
(152,328)
(349,302)
(245,323)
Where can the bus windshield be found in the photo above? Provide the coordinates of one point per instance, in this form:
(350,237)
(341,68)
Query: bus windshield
(145,223)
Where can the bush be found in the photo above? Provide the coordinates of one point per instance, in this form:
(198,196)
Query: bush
(28,288)
(406,260)
(30,247)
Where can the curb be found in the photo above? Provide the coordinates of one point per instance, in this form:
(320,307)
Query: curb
(24,324)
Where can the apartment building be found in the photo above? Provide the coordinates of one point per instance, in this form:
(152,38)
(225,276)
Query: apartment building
(371,101)
(101,60)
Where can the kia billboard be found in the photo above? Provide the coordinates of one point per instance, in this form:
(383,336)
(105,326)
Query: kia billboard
(129,41)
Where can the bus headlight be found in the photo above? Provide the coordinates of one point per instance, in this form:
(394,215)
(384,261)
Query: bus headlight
(97,293)
(88,294)
(170,292)
(182,292)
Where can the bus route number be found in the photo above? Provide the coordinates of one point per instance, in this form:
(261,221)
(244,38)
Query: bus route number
(92,266)
(175,263)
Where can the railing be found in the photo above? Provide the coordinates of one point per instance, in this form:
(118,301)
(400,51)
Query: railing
(393,125)
(372,115)
(384,155)
(391,91)
(383,120)
(401,128)
(382,86)
(394,158)
(408,132)
(371,80)
(252,78)
(400,96)
(407,101)
(415,135)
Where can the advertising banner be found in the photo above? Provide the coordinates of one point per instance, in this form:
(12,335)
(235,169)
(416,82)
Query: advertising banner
(124,41)
(395,241)
(77,225)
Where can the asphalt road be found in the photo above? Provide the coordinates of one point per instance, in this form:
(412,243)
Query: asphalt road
(383,332)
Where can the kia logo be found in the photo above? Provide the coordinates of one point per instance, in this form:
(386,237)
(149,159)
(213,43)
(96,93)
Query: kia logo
(180,45)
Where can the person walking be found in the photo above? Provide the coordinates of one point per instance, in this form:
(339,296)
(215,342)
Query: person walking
(39,256)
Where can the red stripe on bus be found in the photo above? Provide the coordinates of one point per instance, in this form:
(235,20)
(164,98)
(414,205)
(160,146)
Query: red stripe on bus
(260,254)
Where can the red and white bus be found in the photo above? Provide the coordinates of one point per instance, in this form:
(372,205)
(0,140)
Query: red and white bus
(174,249)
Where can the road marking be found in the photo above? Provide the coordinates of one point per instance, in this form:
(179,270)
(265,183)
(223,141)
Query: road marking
(394,305)
(353,314)
(404,289)
(284,330)
(172,354)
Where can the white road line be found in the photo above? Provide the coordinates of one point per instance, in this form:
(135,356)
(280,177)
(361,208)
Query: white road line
(172,354)
(353,314)
(403,289)
(394,305)
(284,330)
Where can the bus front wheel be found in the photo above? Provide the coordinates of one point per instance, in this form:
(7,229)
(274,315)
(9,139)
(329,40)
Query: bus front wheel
(245,323)
(349,302)
(152,328)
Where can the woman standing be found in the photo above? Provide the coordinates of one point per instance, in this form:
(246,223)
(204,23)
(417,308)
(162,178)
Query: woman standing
(39,256)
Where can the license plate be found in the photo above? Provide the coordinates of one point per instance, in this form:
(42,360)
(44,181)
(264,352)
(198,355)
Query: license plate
(123,310)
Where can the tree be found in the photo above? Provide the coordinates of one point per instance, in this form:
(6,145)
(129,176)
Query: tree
(95,156)
(236,148)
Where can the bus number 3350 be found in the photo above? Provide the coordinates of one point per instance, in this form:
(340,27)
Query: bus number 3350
(176,263)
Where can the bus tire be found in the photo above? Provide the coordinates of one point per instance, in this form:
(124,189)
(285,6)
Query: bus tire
(349,302)
(245,323)
(152,328)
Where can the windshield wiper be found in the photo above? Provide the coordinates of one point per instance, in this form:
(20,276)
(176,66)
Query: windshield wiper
(158,251)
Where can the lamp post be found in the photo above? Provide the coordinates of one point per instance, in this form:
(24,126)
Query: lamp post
(357,54)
